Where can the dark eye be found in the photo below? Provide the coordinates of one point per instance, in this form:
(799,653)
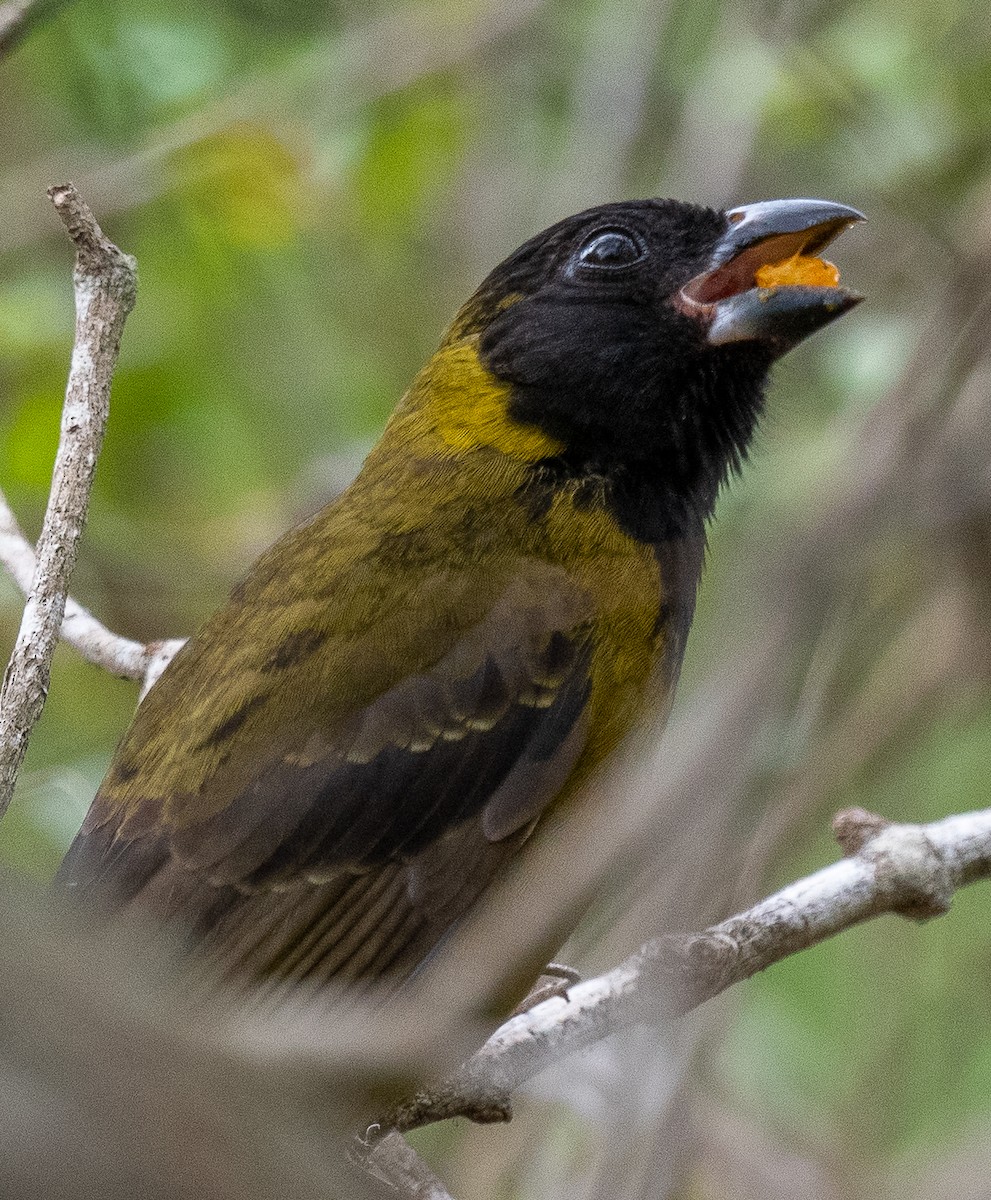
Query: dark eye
(610,249)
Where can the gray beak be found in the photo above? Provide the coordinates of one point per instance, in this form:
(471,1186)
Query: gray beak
(726,296)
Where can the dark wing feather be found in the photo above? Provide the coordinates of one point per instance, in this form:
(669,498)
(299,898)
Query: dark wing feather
(350,852)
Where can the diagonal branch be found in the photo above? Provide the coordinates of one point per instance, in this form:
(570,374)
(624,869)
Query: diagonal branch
(912,870)
(105,286)
(113,652)
(394,1161)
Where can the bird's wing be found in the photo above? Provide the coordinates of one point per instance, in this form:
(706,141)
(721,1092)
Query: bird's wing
(351,841)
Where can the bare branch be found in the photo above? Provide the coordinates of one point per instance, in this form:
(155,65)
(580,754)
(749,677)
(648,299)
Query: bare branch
(912,870)
(118,655)
(394,1161)
(105,287)
(158,655)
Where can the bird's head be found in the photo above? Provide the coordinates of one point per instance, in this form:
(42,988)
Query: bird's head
(639,334)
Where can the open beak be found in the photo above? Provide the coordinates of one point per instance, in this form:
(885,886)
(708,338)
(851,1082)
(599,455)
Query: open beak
(765,282)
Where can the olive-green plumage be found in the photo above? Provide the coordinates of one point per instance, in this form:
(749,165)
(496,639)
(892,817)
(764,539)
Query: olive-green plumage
(332,770)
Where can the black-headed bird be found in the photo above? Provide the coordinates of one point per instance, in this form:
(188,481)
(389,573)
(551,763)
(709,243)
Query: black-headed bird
(334,768)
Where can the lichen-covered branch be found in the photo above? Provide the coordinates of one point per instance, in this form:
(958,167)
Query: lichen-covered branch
(912,870)
(105,289)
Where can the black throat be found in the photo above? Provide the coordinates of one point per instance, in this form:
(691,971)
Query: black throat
(652,417)
(659,473)
(643,507)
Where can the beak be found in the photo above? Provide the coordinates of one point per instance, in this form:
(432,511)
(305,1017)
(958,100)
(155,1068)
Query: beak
(764,282)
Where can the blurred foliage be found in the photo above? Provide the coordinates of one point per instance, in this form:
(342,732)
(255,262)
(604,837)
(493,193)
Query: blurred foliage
(310,190)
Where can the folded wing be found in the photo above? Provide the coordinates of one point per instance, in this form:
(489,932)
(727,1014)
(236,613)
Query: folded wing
(335,845)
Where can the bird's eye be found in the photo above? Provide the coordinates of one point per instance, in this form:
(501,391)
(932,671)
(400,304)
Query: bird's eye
(609,249)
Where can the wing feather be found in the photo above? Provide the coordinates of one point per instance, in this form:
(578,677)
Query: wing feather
(355,839)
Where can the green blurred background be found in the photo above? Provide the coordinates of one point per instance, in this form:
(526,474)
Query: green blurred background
(310,190)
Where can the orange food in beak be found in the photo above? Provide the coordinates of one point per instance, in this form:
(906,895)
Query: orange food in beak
(799,270)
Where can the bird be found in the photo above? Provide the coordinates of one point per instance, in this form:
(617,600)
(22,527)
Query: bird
(333,770)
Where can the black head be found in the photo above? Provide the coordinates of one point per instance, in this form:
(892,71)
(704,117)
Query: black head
(633,333)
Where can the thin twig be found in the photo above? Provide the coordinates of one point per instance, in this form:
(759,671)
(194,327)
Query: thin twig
(116,654)
(105,288)
(394,1161)
(912,870)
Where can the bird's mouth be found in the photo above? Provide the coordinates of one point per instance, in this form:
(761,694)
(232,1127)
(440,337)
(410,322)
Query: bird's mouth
(765,281)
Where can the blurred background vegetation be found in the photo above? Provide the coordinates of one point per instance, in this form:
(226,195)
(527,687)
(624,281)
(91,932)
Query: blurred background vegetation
(310,190)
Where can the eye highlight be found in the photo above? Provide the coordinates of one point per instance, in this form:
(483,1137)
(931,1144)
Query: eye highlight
(610,250)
